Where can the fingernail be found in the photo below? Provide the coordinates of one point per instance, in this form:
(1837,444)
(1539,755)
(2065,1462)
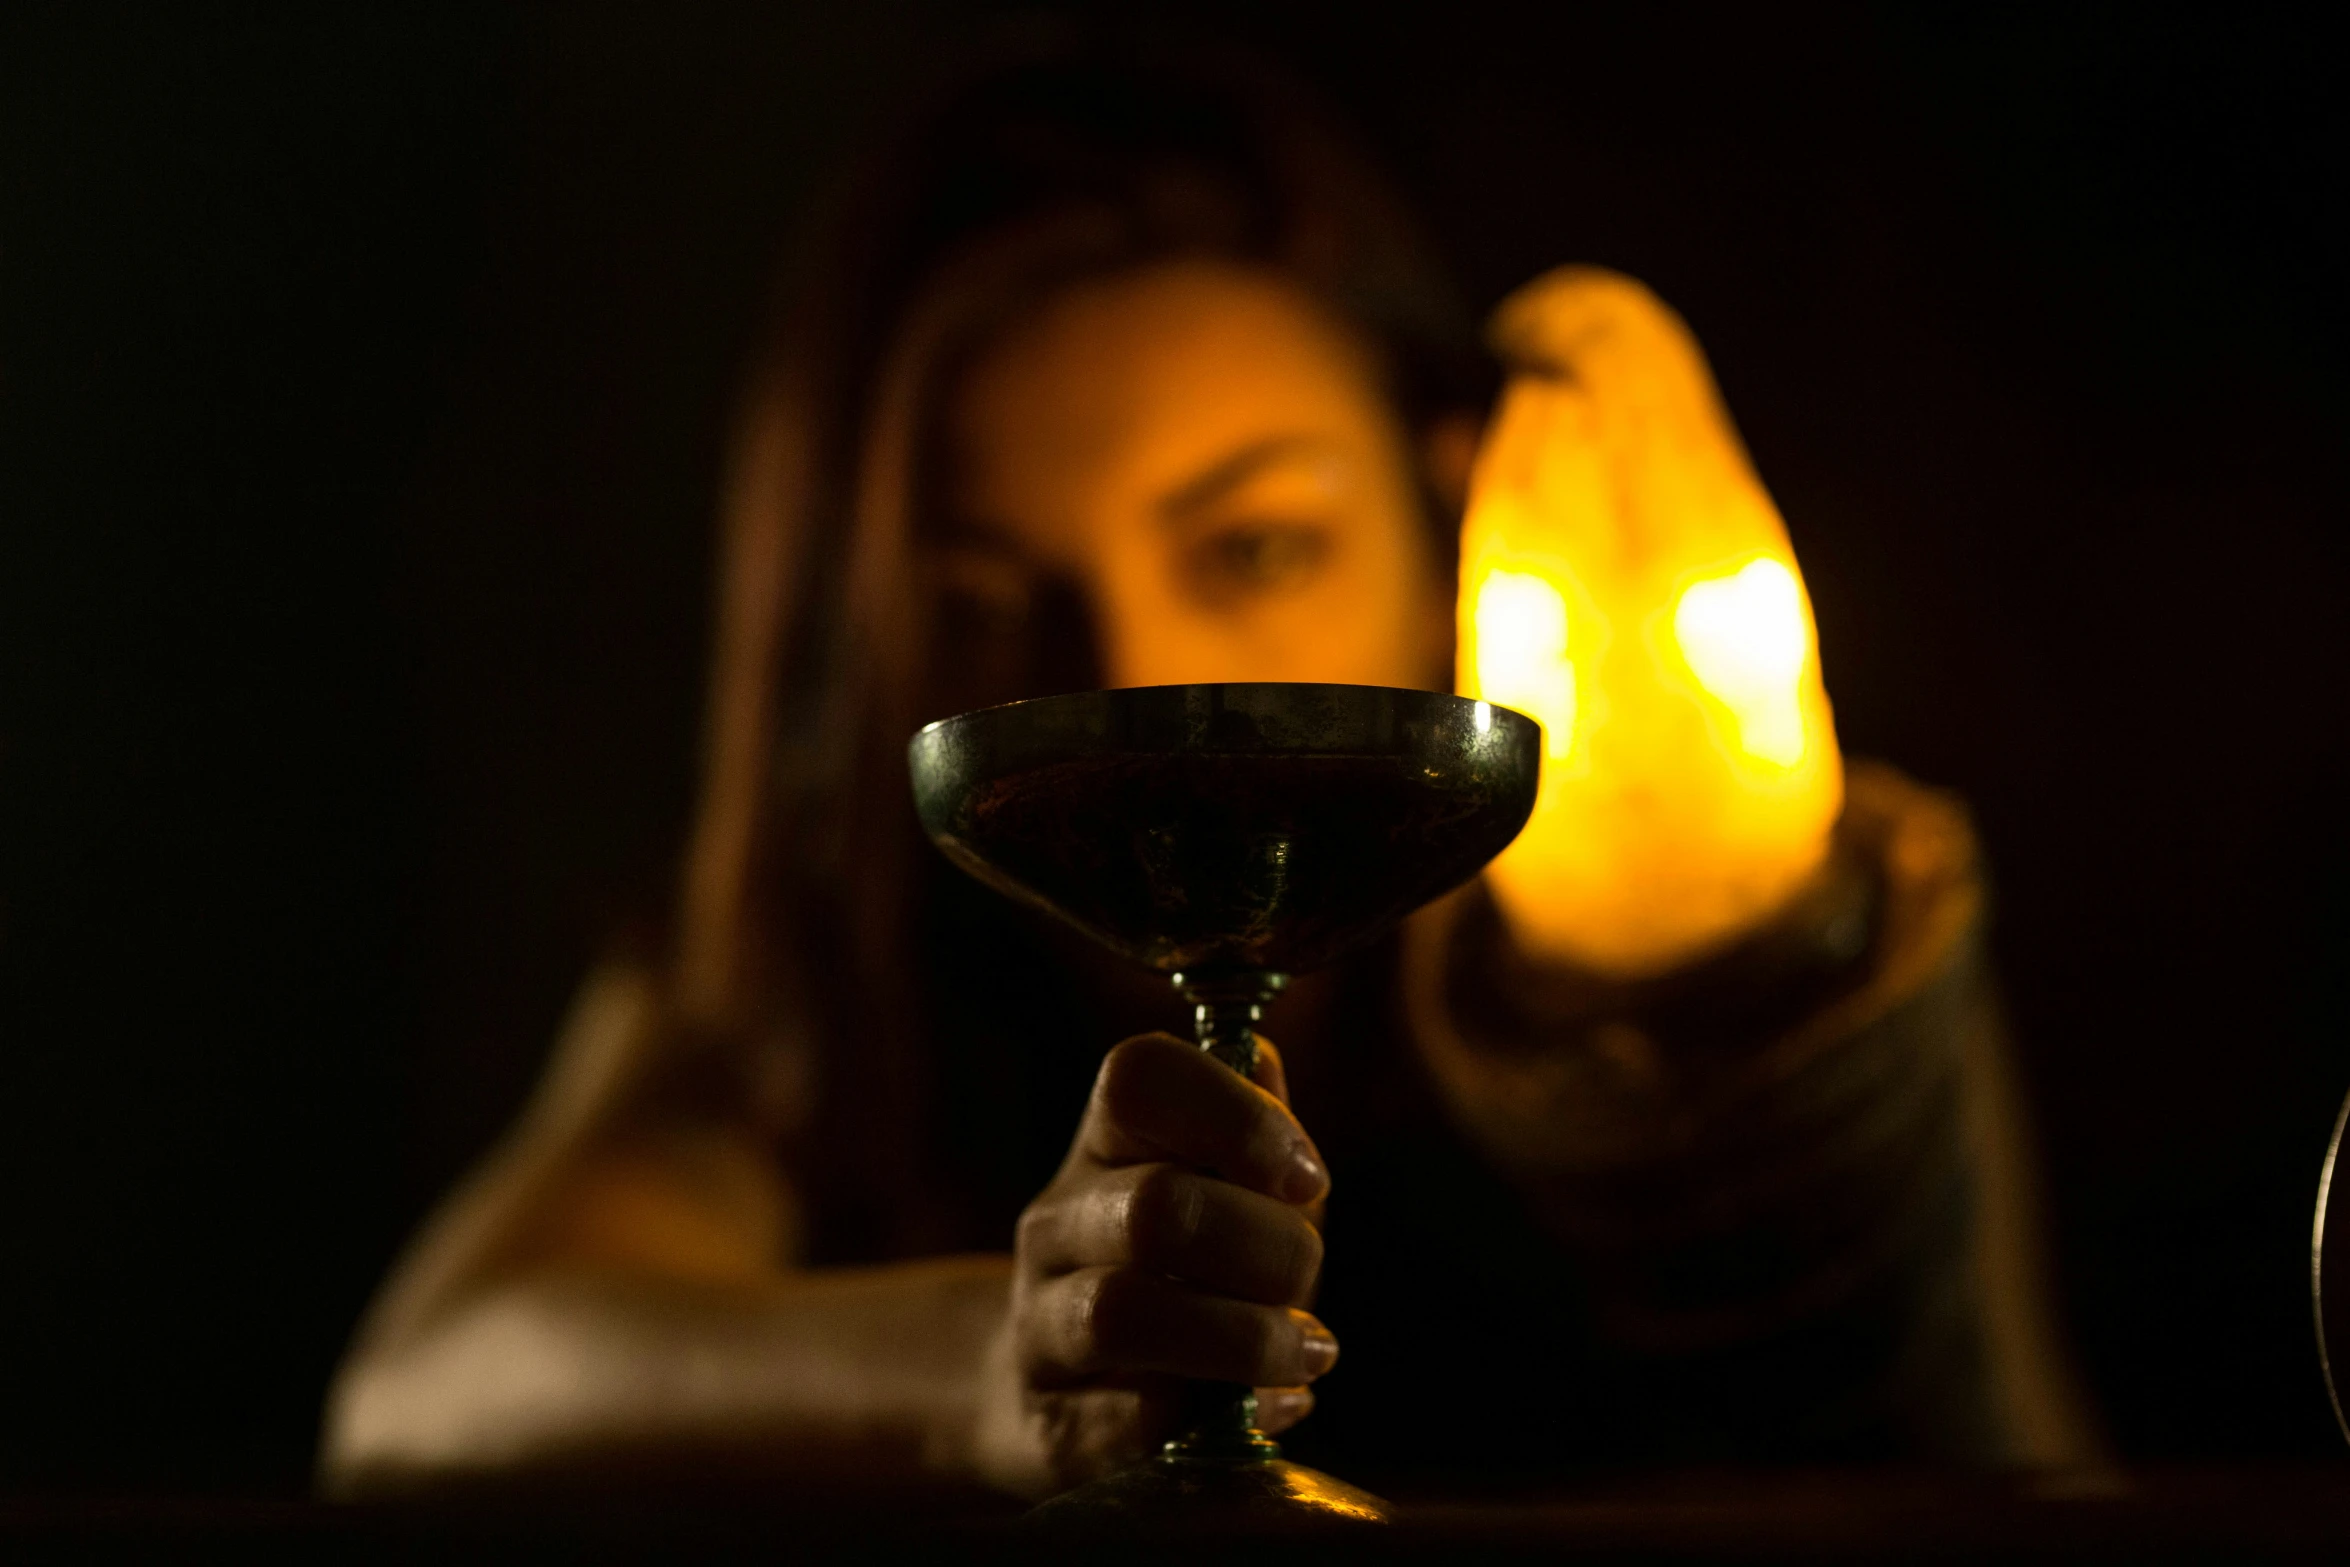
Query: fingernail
(1305,1179)
(1321,1349)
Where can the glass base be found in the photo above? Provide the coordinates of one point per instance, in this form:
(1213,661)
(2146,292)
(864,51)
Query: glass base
(1214,1495)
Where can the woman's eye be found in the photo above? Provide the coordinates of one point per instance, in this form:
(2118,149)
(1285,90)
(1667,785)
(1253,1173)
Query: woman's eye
(1257,559)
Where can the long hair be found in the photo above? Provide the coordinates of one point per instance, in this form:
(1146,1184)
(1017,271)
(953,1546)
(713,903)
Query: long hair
(1052,163)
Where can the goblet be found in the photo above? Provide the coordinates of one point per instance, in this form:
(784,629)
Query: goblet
(2329,1271)
(1228,836)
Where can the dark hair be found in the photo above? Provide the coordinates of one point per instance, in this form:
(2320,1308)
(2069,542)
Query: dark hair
(1057,160)
(1088,154)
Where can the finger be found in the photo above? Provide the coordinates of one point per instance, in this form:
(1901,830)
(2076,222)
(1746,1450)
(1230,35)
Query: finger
(1209,1233)
(1279,1408)
(1120,1321)
(1159,1098)
(1270,1074)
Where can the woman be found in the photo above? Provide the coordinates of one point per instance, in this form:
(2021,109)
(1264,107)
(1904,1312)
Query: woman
(1126,373)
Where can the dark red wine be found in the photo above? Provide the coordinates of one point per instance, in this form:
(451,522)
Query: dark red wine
(1268,860)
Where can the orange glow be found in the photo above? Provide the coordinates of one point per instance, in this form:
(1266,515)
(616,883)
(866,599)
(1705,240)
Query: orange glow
(1626,580)
(1522,657)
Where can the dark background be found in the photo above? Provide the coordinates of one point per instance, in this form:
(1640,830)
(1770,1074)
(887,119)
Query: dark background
(363,374)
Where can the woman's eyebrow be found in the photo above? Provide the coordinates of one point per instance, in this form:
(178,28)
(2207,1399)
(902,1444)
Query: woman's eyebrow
(1199,493)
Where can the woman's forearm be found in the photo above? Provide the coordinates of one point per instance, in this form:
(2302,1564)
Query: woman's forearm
(603,1299)
(1741,1190)
(866,1376)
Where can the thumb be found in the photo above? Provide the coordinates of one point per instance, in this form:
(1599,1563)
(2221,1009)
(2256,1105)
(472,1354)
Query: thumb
(1269,1074)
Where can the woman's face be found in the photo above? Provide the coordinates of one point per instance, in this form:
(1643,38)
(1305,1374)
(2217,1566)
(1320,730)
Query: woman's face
(1191,470)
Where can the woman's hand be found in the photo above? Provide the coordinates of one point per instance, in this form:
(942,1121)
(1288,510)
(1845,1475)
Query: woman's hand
(1177,1241)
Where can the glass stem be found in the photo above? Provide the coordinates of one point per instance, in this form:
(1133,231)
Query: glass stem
(1220,1418)
(1226,1027)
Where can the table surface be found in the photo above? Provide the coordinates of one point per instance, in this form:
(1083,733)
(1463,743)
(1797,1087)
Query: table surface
(2281,1514)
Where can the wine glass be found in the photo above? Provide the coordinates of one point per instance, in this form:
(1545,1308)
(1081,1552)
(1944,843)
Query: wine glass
(1228,836)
